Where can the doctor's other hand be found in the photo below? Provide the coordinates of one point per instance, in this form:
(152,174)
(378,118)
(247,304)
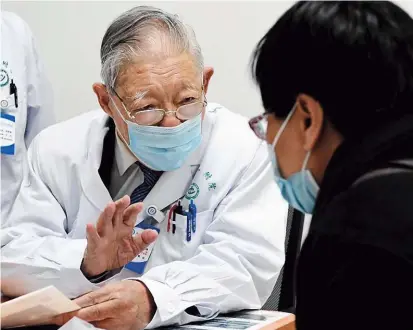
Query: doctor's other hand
(111,244)
(124,305)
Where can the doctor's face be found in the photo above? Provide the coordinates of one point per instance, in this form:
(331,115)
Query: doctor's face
(169,84)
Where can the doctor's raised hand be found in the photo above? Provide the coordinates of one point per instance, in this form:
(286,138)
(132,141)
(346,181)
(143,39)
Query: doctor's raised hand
(111,244)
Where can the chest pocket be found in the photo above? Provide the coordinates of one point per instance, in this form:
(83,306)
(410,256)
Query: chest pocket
(14,114)
(176,247)
(12,94)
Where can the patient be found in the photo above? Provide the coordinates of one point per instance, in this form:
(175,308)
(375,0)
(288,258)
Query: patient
(336,80)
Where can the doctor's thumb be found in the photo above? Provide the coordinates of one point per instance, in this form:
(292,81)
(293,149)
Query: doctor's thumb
(149,236)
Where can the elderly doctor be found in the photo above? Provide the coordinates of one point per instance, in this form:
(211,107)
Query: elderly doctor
(210,236)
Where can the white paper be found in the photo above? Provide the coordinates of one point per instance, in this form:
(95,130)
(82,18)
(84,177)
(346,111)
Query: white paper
(35,308)
(78,324)
(250,320)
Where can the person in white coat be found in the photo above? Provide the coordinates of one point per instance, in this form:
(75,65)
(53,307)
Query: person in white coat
(210,233)
(26,104)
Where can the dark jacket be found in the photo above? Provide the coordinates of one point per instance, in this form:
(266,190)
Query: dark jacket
(355,270)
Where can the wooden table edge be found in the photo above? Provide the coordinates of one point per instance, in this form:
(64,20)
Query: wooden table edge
(286,323)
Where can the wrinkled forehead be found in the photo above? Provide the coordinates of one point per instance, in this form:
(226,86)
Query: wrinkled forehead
(153,75)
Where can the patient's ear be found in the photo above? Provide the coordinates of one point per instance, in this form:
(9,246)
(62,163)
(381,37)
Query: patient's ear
(311,116)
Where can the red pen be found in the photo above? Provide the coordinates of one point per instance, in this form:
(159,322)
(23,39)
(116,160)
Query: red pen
(171,211)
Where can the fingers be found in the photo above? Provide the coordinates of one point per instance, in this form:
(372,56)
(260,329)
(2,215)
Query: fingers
(115,324)
(144,239)
(62,318)
(92,235)
(104,223)
(111,216)
(149,236)
(96,306)
(95,297)
(131,214)
(99,312)
(121,206)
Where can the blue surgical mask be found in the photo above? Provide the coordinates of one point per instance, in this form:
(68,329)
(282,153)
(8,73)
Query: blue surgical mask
(300,189)
(164,148)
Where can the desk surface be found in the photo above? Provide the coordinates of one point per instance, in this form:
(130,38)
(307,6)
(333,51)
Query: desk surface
(286,323)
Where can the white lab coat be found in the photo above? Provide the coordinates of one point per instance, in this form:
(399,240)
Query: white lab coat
(20,63)
(233,259)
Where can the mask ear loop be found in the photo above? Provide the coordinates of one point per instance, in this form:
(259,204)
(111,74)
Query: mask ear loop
(283,125)
(278,135)
(304,167)
(116,107)
(205,101)
(306,159)
(117,131)
(304,171)
(120,114)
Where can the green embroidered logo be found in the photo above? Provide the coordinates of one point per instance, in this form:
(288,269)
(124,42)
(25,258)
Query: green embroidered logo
(212,186)
(4,78)
(192,192)
(207,175)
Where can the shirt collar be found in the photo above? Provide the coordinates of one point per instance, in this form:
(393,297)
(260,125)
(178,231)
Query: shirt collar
(123,156)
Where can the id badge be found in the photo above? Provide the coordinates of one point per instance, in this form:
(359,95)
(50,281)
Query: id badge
(7,133)
(138,264)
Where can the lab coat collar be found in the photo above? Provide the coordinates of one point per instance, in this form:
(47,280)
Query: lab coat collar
(92,184)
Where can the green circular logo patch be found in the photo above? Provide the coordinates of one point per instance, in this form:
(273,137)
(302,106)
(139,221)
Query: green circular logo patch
(4,78)
(192,192)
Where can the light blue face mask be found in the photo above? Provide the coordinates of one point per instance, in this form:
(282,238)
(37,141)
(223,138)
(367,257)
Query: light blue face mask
(164,148)
(300,189)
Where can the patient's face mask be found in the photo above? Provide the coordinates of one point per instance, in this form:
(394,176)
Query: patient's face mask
(300,189)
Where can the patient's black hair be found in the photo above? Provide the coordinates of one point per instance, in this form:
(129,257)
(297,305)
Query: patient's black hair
(355,58)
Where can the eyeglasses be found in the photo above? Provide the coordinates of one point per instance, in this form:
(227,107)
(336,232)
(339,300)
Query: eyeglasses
(259,125)
(155,116)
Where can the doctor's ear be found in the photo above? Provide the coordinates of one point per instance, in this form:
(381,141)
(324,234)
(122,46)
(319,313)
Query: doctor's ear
(208,72)
(103,97)
(312,118)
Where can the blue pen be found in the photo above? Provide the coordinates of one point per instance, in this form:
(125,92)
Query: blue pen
(192,210)
(188,226)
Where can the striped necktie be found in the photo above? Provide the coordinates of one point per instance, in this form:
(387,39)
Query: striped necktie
(150,177)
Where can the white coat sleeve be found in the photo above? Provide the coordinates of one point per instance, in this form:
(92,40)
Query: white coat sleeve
(237,266)
(40,113)
(35,249)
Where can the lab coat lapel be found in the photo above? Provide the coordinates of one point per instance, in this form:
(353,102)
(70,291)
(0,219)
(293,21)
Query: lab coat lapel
(173,185)
(92,184)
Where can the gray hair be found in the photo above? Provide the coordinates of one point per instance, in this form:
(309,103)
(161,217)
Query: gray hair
(136,32)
